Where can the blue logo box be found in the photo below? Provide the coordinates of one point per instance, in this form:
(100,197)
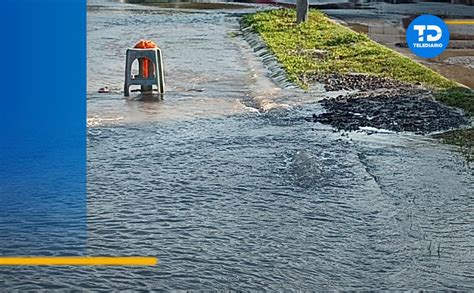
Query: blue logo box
(427,36)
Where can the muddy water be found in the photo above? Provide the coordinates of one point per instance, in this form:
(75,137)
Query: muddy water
(231,189)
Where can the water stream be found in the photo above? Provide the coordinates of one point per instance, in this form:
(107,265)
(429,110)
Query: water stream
(228,185)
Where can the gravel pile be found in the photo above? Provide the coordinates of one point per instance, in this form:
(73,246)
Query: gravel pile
(403,111)
(337,82)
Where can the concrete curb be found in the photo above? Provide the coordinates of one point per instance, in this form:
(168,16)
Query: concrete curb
(275,71)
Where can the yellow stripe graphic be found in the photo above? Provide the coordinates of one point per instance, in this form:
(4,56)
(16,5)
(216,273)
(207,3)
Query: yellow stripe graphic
(79,261)
(459,21)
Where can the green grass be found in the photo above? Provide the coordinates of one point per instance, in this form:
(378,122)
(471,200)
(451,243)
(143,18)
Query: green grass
(464,138)
(457,97)
(344,50)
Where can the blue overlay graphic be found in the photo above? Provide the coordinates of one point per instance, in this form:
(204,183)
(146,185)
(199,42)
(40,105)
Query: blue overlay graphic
(43,127)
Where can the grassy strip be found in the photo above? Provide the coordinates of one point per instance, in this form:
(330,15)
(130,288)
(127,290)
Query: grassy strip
(321,46)
(342,50)
(464,138)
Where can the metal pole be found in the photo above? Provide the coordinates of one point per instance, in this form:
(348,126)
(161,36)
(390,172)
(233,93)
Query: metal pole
(302,7)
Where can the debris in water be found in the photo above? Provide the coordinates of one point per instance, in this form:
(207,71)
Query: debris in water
(104,90)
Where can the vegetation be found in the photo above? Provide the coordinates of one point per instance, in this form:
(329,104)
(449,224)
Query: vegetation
(340,50)
(457,97)
(320,46)
(464,138)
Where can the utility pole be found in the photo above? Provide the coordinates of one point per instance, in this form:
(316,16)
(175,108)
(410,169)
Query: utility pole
(302,7)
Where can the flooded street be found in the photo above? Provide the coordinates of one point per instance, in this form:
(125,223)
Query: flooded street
(227,184)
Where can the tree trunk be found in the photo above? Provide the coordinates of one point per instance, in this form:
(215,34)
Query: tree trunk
(302,7)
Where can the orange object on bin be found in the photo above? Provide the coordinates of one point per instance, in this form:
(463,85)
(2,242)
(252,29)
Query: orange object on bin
(146,44)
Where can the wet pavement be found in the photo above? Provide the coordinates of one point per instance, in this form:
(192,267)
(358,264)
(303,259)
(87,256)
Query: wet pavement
(231,188)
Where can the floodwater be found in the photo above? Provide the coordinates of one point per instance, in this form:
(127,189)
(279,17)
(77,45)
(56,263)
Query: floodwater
(228,185)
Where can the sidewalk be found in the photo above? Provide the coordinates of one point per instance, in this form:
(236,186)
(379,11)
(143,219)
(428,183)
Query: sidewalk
(386,23)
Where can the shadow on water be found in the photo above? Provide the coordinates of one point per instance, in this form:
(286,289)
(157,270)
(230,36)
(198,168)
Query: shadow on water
(147,97)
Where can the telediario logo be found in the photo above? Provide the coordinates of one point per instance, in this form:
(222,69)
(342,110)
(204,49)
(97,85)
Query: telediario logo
(427,36)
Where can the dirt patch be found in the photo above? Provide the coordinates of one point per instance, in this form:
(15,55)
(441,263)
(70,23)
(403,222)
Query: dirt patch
(397,110)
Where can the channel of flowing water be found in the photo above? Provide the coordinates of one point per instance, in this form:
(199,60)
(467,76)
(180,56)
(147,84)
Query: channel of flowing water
(228,185)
